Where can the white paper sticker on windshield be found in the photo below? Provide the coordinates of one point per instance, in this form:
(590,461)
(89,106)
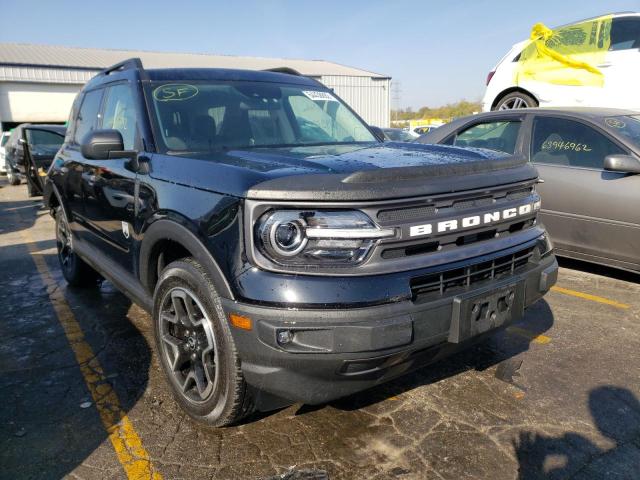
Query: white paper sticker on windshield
(316,95)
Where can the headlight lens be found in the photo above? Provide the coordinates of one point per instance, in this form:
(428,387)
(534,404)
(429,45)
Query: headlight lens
(320,238)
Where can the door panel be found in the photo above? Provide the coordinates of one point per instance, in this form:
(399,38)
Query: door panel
(588,211)
(585,209)
(110,186)
(622,64)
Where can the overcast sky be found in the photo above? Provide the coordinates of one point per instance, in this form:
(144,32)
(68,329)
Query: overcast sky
(439,51)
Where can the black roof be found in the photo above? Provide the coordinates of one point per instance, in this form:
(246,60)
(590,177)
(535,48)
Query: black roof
(194,74)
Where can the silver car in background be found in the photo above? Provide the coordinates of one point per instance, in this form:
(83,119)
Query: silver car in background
(589,163)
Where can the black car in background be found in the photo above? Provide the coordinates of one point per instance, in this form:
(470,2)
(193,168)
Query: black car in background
(29,153)
(589,161)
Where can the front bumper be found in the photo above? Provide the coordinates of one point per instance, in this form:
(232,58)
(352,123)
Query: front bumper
(337,352)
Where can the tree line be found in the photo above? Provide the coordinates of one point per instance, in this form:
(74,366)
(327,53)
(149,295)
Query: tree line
(446,112)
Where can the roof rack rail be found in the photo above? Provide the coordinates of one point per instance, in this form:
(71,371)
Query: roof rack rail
(287,70)
(129,64)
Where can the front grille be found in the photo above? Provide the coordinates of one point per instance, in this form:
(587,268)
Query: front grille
(404,214)
(437,284)
(451,206)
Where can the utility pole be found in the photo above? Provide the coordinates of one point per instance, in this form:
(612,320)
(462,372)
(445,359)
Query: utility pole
(396,95)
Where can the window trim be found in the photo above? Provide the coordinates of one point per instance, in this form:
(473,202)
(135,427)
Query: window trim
(565,118)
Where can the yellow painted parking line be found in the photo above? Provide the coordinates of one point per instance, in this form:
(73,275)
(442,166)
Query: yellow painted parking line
(587,296)
(534,337)
(127,444)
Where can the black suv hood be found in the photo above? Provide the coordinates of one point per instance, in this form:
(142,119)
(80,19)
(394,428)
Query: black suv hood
(342,172)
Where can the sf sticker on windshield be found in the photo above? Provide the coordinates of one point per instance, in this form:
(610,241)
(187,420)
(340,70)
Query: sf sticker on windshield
(316,96)
(615,123)
(175,92)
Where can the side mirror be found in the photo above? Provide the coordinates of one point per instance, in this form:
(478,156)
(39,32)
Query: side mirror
(103,145)
(622,163)
(378,133)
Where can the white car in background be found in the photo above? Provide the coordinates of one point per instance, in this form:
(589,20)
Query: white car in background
(4,138)
(618,67)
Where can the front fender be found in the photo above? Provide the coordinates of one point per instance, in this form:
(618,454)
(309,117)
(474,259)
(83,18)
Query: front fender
(170,229)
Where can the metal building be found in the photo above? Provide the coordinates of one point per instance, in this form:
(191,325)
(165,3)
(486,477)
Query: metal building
(39,82)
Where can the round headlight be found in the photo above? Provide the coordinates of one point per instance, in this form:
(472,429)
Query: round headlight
(287,238)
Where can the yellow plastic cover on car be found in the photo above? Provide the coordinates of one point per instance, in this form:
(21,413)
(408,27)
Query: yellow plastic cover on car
(566,56)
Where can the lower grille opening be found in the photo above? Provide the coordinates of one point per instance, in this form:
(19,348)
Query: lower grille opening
(437,284)
(411,250)
(516,227)
(476,237)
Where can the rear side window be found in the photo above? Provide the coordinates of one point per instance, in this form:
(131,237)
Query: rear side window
(120,113)
(500,136)
(625,34)
(88,115)
(558,141)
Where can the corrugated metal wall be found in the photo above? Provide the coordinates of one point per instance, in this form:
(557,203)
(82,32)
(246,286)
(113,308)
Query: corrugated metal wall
(370,97)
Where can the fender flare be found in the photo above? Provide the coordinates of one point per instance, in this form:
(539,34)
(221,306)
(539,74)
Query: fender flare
(164,229)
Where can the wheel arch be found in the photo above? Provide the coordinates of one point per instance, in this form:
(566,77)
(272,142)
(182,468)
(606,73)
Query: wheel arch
(166,233)
(509,90)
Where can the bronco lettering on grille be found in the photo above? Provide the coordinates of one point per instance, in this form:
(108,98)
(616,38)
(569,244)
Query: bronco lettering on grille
(451,225)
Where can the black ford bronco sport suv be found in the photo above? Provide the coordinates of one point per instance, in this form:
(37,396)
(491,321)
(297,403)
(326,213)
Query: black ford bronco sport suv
(284,252)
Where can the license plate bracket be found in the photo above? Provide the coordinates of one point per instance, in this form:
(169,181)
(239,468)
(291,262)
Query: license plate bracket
(477,313)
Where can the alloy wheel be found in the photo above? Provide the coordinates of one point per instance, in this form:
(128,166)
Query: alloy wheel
(513,103)
(188,344)
(63,237)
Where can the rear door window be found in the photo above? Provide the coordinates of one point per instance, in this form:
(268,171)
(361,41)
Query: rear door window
(499,135)
(88,117)
(558,141)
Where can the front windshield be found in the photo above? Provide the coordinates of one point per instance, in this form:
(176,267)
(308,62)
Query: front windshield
(626,126)
(219,115)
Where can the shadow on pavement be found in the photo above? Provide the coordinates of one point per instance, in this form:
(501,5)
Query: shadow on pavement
(48,422)
(616,414)
(599,270)
(497,348)
(26,210)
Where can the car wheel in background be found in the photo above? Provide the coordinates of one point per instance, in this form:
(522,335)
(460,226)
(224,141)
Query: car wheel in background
(515,100)
(13,178)
(196,348)
(75,271)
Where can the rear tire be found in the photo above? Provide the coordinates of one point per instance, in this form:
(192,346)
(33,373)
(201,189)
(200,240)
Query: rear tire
(196,349)
(13,178)
(75,271)
(515,100)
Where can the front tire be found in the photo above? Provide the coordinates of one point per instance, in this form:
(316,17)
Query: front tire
(196,349)
(515,100)
(75,271)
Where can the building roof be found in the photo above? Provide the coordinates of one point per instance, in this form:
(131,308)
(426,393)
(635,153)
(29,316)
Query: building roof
(20,55)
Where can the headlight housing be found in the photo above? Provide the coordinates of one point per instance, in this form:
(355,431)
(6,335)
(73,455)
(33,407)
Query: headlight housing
(331,238)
